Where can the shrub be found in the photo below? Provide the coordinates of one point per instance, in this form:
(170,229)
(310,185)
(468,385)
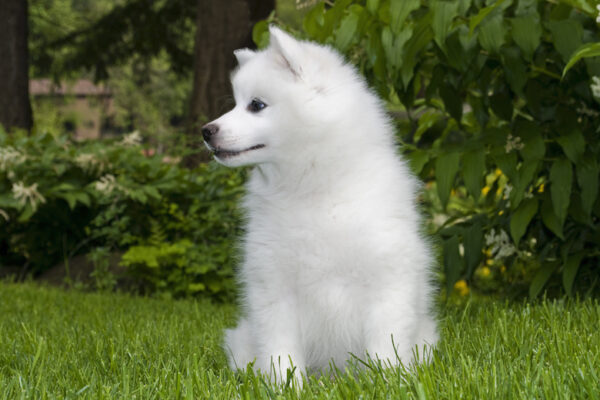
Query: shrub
(506,141)
(175,226)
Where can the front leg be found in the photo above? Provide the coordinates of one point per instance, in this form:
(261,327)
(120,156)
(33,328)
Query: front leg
(279,347)
(390,331)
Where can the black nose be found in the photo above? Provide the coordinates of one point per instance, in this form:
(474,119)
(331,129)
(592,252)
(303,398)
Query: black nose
(209,130)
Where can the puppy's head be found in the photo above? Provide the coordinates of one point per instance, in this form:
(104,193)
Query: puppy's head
(273,91)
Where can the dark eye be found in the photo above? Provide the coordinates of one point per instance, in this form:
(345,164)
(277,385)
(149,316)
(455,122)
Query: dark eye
(256,106)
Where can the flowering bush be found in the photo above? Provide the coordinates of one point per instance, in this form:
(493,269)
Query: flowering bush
(175,227)
(499,106)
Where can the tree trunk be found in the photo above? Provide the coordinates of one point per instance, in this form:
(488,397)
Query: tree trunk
(15,109)
(221,27)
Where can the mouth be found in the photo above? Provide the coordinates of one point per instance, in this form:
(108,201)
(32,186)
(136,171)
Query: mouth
(222,153)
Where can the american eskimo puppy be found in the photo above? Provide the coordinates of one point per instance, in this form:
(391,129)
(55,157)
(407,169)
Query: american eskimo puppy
(334,264)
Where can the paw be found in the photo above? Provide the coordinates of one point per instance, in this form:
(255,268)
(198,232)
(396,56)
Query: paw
(283,371)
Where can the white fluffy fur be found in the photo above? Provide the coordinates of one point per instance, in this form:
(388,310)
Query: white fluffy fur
(333,261)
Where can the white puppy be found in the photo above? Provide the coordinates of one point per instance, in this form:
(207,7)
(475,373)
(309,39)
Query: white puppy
(333,259)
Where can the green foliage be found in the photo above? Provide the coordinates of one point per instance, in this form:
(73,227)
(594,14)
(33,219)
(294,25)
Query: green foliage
(104,279)
(502,99)
(150,97)
(68,37)
(148,70)
(176,226)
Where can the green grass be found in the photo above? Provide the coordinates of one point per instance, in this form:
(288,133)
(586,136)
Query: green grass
(57,344)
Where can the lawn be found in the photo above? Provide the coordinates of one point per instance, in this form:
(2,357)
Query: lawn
(68,344)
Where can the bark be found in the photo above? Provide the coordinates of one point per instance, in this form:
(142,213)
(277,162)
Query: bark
(15,108)
(221,27)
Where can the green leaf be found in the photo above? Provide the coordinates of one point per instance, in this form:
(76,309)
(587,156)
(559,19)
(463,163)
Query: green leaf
(534,147)
(473,169)
(521,218)
(484,12)
(312,24)
(452,263)
(83,198)
(452,101)
(418,159)
(346,32)
(62,187)
(566,36)
(399,10)
(421,37)
(333,16)
(507,164)
(426,121)
(70,198)
(26,214)
(393,45)
(443,14)
(446,167)
(375,52)
(151,191)
(373,6)
(527,33)
(514,69)
(587,178)
(491,34)
(561,178)
(525,175)
(573,145)
(541,278)
(502,105)
(141,255)
(570,271)
(473,244)
(260,34)
(584,51)
(460,48)
(550,219)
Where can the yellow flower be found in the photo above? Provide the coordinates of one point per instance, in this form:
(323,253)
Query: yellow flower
(500,212)
(490,262)
(503,269)
(488,253)
(461,287)
(485,272)
(485,190)
(541,188)
(498,172)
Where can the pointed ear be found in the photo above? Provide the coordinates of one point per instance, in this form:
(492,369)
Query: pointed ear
(288,47)
(243,55)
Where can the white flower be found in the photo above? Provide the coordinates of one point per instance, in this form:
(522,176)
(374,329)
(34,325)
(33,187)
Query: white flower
(106,184)
(513,143)
(598,17)
(300,4)
(501,246)
(88,162)
(9,156)
(585,110)
(439,219)
(132,139)
(4,214)
(507,189)
(24,194)
(595,86)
